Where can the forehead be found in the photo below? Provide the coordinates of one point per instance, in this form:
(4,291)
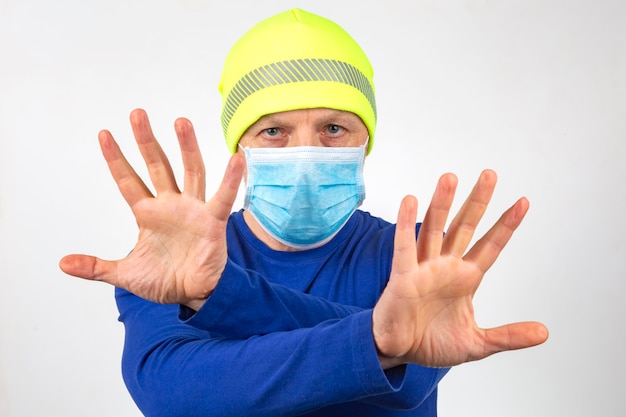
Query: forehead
(316,115)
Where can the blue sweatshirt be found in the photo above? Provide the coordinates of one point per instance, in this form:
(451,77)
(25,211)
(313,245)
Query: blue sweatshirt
(283,334)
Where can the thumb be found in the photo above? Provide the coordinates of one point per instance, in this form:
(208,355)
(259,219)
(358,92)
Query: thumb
(513,336)
(89,267)
(222,202)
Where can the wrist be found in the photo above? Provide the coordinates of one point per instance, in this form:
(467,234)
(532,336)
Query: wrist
(388,363)
(391,340)
(195,304)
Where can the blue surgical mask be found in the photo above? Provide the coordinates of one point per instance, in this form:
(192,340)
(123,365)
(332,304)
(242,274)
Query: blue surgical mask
(302,196)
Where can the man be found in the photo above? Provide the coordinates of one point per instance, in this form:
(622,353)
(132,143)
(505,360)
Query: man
(300,304)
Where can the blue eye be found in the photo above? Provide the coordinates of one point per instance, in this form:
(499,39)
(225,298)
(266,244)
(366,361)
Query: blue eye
(272,131)
(334,129)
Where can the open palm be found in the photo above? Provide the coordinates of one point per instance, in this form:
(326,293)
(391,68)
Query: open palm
(426,315)
(181,249)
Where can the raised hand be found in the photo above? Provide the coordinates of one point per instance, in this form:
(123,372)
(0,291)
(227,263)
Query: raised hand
(181,249)
(425,315)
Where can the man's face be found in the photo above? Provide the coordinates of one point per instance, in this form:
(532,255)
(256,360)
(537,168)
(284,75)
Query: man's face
(307,127)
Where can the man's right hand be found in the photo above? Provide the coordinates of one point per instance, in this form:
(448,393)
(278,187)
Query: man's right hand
(181,249)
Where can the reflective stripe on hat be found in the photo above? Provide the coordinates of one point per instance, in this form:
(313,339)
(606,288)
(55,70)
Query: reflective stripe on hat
(291,71)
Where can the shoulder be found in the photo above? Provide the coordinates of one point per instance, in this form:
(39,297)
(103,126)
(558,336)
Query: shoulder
(365,225)
(372,221)
(369,233)
(374,232)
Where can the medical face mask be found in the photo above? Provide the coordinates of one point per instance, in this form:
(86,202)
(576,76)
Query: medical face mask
(302,196)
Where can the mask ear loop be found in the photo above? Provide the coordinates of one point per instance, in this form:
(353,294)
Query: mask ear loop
(245,152)
(365,147)
(245,158)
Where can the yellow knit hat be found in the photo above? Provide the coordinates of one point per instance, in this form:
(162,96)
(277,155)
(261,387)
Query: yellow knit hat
(294,60)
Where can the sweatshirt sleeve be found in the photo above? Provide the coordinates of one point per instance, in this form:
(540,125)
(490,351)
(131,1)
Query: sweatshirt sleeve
(245,304)
(174,369)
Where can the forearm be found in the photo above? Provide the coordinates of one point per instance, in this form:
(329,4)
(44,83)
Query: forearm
(245,304)
(174,369)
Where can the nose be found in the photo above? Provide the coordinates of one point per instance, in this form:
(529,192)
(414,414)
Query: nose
(305,138)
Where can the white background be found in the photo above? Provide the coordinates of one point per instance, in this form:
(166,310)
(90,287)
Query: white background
(533,89)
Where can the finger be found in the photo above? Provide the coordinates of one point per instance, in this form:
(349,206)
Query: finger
(90,267)
(158,165)
(487,249)
(404,254)
(464,224)
(129,183)
(195,176)
(430,237)
(222,202)
(512,337)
